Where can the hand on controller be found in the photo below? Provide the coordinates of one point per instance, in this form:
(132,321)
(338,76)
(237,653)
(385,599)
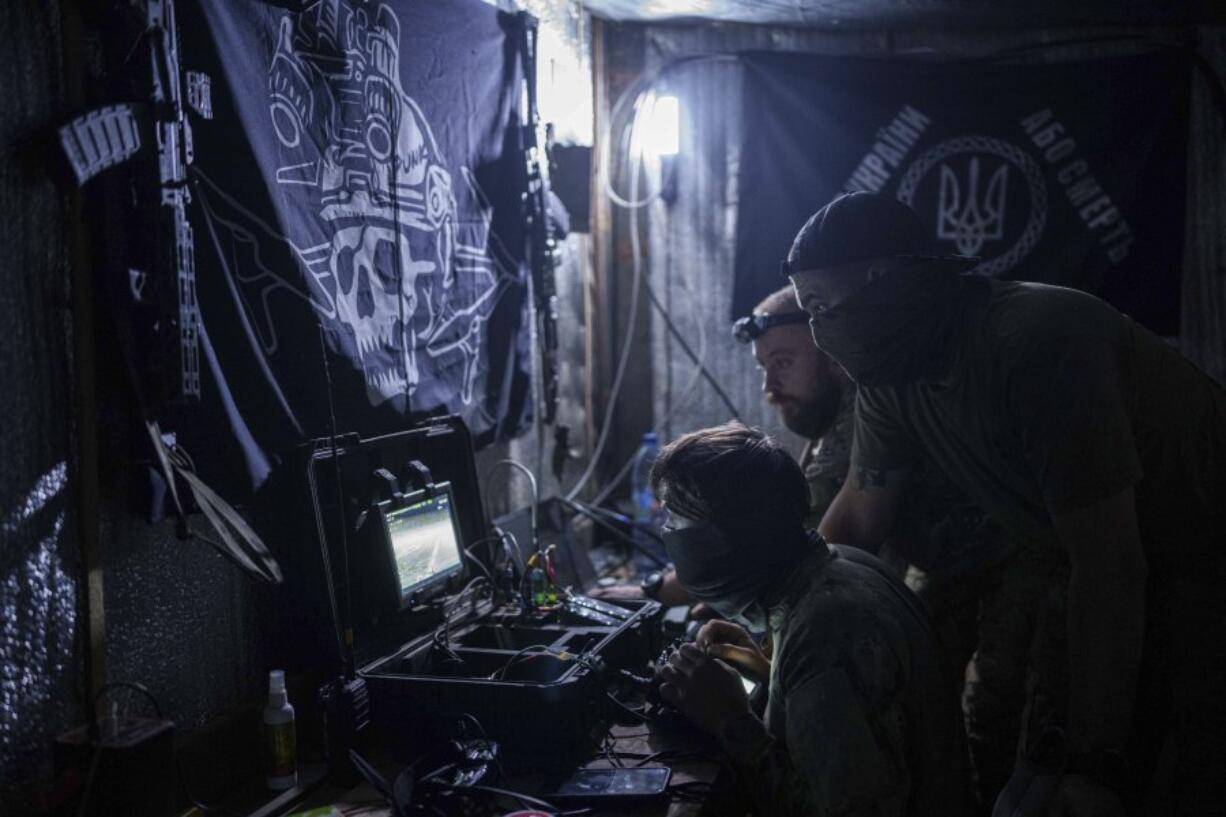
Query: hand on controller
(704,689)
(731,643)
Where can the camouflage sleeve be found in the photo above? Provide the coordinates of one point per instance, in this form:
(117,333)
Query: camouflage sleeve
(826,462)
(823,488)
(843,755)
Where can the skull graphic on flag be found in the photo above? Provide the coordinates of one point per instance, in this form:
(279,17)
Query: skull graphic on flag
(382,248)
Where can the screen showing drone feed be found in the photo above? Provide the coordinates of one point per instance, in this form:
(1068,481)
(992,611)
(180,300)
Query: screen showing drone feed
(424,539)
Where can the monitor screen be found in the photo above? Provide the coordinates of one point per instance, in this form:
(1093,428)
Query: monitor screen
(424,539)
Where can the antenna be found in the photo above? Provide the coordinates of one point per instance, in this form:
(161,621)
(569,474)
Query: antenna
(345,631)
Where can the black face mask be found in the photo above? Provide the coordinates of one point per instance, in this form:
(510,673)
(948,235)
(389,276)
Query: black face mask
(899,328)
(734,576)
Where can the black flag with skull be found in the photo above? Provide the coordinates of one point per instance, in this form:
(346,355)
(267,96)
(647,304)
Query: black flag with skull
(356,173)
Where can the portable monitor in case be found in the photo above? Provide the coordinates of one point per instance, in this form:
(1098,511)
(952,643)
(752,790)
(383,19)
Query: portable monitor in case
(422,539)
(430,645)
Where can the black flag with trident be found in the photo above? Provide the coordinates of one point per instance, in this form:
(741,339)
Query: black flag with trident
(1070,174)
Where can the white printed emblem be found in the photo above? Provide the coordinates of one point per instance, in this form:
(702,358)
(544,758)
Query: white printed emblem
(408,274)
(966,219)
(974,174)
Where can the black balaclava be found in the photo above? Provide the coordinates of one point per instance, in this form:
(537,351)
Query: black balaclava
(736,566)
(901,327)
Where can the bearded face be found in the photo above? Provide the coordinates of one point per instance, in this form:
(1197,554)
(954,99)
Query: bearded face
(803,384)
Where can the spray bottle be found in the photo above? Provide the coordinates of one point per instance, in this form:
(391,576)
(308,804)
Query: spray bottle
(281,751)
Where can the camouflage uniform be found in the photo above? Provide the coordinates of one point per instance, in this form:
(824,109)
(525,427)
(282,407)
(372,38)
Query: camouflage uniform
(856,688)
(826,459)
(997,604)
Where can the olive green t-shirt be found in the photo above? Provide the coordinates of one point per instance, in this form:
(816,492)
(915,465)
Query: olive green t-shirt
(938,530)
(1054,401)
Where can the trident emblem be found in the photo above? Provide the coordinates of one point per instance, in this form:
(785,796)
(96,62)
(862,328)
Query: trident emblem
(969,224)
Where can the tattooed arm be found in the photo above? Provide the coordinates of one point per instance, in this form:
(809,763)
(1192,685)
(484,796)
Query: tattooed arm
(863,512)
(865,509)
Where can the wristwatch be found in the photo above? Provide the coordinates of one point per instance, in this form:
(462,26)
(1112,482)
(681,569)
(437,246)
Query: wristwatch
(1108,767)
(652,584)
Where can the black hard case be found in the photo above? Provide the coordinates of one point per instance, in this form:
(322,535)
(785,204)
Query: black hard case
(551,708)
(340,489)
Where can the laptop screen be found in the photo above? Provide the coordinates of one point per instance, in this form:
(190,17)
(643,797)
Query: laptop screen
(424,539)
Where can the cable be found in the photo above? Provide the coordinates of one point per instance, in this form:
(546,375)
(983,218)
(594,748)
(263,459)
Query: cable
(500,674)
(632,315)
(441,640)
(536,498)
(340,499)
(177,759)
(614,516)
(216,545)
(512,548)
(637,680)
(612,484)
(451,617)
(685,347)
(492,569)
(459,599)
(599,520)
(701,369)
(627,344)
(467,717)
(690,389)
(89,781)
(468,551)
(113,685)
(606,748)
(636,715)
(638,89)
(639,107)
(700,364)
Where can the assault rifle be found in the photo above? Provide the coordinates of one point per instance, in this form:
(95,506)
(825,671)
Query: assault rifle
(162,330)
(542,247)
(162,283)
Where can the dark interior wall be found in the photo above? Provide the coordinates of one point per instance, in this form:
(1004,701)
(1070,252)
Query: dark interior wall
(40,572)
(881,14)
(694,237)
(564,86)
(178,617)
(618,58)
(1203,335)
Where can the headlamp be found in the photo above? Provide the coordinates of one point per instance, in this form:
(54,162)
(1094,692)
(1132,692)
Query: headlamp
(752,327)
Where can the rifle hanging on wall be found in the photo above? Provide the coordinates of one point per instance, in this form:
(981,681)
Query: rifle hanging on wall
(153,138)
(542,245)
(159,334)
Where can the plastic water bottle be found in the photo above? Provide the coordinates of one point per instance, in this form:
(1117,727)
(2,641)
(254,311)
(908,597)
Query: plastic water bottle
(647,510)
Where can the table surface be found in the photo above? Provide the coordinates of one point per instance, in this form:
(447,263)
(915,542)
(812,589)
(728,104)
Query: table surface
(689,754)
